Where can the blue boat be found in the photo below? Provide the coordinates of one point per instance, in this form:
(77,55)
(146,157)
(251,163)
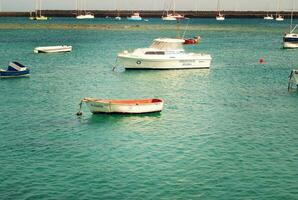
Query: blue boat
(15,69)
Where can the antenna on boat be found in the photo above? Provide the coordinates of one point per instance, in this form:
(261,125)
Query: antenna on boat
(80,113)
(291,26)
(115,64)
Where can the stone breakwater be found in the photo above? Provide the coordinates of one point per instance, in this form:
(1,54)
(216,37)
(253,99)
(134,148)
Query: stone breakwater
(145,13)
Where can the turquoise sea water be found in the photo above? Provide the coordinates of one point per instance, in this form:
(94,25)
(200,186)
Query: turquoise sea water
(230,132)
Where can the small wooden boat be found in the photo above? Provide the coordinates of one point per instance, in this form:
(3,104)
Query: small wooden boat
(53,49)
(132,106)
(15,69)
(194,40)
(293,79)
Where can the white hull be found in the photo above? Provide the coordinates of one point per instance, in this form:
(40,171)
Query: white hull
(290,45)
(220,18)
(169,19)
(53,49)
(203,62)
(85,17)
(105,107)
(279,19)
(268,18)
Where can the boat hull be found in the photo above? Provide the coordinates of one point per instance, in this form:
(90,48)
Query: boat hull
(290,45)
(134,19)
(290,41)
(96,107)
(85,17)
(14,74)
(184,63)
(57,49)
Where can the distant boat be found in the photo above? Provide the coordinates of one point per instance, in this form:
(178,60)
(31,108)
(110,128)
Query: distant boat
(293,79)
(164,53)
(81,10)
(37,14)
(135,17)
(219,16)
(269,17)
(290,40)
(15,69)
(130,106)
(279,17)
(53,49)
(172,16)
(118,17)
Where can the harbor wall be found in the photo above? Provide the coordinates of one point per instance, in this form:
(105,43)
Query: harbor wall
(125,13)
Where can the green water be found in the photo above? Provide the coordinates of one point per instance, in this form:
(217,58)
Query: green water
(225,133)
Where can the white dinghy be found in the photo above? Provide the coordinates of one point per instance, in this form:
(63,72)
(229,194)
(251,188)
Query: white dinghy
(164,53)
(53,49)
(130,106)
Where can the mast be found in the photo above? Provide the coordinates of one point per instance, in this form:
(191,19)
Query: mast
(278,7)
(218,6)
(291,26)
(39,8)
(174,7)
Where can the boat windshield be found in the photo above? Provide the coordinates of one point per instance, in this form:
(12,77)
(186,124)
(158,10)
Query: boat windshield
(167,46)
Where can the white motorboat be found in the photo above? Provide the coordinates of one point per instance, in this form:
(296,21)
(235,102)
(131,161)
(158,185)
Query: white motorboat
(290,40)
(269,17)
(135,17)
(131,106)
(53,49)
(164,53)
(293,79)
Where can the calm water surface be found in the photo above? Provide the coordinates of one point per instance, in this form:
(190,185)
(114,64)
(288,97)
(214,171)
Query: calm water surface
(225,133)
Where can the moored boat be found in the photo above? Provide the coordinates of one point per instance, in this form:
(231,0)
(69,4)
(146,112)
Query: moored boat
(290,41)
(85,16)
(37,14)
(293,79)
(279,18)
(220,17)
(135,17)
(53,49)
(268,17)
(130,106)
(164,53)
(15,69)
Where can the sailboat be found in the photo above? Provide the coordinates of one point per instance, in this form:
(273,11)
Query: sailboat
(220,16)
(37,14)
(117,11)
(82,13)
(290,40)
(172,16)
(268,17)
(279,17)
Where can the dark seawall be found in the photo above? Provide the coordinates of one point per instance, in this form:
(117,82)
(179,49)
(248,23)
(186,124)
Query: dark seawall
(125,13)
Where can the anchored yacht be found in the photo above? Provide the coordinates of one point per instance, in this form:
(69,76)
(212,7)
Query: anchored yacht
(164,53)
